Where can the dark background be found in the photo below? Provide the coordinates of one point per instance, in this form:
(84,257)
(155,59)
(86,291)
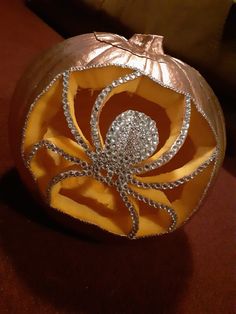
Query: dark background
(47,269)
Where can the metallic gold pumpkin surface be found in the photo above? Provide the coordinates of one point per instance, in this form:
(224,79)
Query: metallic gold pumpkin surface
(141,53)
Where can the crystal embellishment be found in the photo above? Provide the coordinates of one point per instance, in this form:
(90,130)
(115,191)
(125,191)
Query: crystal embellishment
(132,136)
(130,140)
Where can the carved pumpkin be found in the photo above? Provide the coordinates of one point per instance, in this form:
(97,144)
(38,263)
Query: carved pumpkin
(115,133)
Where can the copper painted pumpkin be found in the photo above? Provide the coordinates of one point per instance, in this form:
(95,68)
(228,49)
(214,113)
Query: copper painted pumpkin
(117,134)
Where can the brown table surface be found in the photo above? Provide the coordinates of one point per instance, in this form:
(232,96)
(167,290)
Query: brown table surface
(44,269)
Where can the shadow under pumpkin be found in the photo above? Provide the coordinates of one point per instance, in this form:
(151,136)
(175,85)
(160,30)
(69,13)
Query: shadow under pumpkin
(77,274)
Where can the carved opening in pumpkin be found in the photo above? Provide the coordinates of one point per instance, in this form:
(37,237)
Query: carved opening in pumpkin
(85,198)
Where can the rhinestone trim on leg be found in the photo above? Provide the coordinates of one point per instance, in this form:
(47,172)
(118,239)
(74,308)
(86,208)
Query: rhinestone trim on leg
(66,108)
(51,146)
(171,212)
(173,184)
(169,154)
(100,101)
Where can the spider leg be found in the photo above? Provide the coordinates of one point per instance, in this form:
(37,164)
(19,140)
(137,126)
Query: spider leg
(175,147)
(132,211)
(67,113)
(173,184)
(62,176)
(100,102)
(171,212)
(52,147)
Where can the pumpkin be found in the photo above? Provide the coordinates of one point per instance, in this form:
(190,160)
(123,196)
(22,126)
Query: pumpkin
(117,134)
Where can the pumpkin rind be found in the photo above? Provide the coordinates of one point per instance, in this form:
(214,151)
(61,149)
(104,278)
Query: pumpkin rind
(142,53)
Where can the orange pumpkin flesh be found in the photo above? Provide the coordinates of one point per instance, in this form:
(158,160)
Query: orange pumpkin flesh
(85,198)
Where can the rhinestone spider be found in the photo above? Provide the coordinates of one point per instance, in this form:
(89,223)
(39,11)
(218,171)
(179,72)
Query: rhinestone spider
(131,139)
